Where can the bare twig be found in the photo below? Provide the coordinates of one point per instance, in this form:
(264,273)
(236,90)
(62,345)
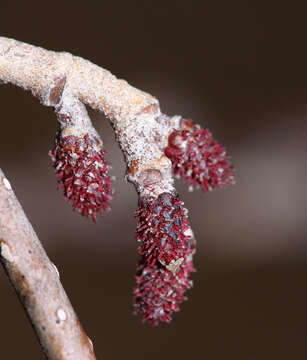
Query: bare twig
(36,281)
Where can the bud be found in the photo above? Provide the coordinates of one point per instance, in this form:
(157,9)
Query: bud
(166,249)
(198,158)
(83,173)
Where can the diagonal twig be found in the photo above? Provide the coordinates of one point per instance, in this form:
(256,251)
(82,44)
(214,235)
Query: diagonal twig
(36,281)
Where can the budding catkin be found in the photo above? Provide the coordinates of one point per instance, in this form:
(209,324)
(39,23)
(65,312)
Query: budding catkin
(83,173)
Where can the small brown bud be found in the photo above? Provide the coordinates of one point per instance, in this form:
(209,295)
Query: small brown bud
(56,91)
(150,176)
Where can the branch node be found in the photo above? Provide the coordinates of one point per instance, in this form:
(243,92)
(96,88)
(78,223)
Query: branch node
(61,315)
(55,269)
(7,184)
(6,251)
(55,92)
(150,177)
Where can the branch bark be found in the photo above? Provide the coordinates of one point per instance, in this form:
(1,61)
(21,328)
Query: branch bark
(58,78)
(36,281)
(68,83)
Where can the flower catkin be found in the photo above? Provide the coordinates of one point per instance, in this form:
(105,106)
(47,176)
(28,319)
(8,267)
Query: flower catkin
(166,249)
(83,173)
(198,158)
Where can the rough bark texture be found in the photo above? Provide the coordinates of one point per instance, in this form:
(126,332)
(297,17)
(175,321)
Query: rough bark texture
(36,281)
(43,72)
(59,78)
(68,83)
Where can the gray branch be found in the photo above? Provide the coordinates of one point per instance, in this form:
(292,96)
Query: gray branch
(36,281)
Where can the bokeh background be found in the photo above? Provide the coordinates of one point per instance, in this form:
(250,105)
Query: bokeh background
(236,67)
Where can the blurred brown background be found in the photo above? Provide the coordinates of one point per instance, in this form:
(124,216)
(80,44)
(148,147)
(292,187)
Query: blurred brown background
(237,67)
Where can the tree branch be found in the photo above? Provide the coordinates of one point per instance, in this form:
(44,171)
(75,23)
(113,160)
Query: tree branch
(36,281)
(58,78)
(155,146)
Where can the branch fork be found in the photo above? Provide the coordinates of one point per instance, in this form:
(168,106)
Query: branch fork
(156,147)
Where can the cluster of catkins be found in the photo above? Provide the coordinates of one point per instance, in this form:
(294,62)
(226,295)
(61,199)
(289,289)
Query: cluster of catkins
(166,242)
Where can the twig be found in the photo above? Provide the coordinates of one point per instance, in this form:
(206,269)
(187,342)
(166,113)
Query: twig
(154,145)
(58,78)
(36,281)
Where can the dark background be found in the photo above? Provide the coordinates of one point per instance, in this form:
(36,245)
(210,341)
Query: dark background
(237,67)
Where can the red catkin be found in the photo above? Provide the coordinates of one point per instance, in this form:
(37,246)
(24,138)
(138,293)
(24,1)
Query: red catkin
(83,173)
(166,249)
(198,158)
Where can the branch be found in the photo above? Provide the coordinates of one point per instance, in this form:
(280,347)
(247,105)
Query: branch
(155,147)
(58,78)
(36,281)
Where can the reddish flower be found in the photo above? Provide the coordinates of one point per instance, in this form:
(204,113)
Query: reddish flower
(160,230)
(159,292)
(166,247)
(83,173)
(198,158)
